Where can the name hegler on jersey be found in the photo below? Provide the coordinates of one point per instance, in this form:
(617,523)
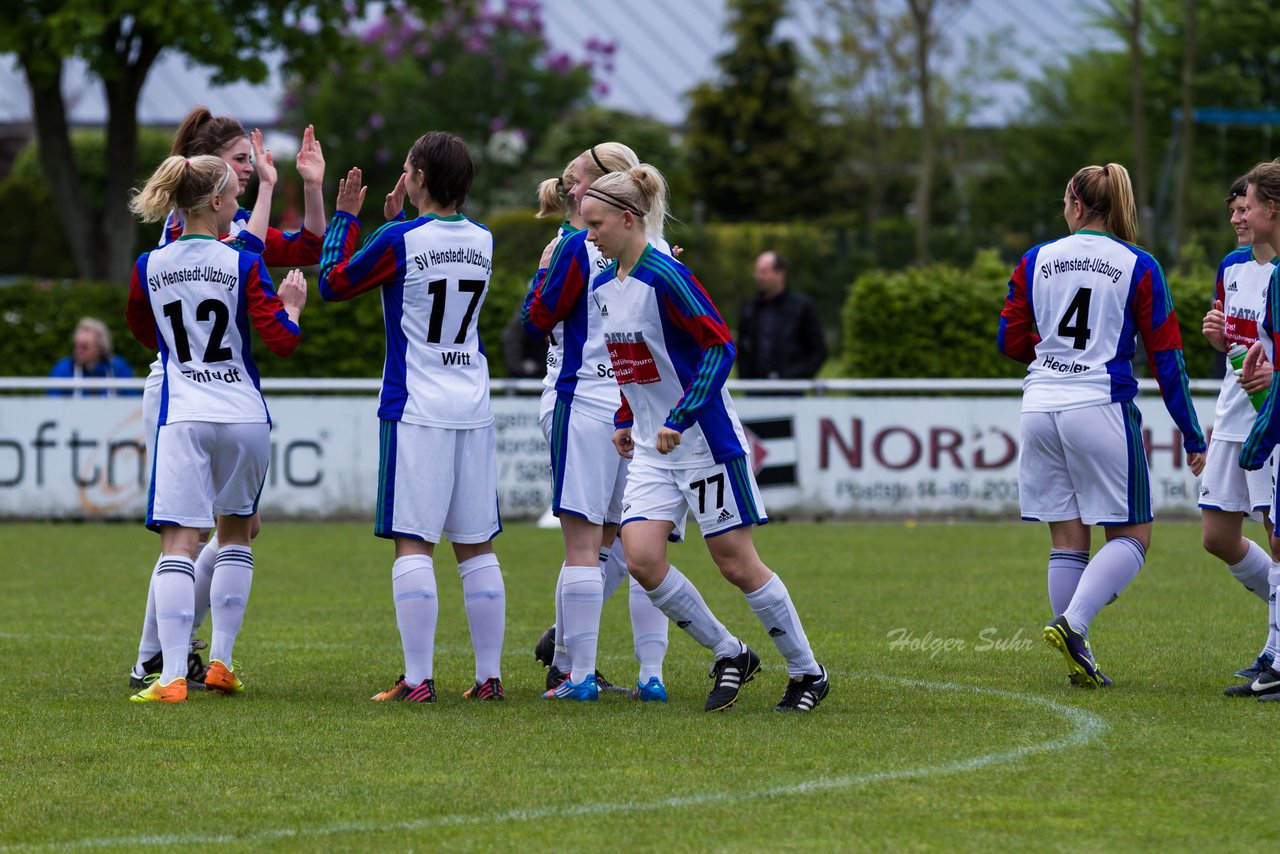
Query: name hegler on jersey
(1064,367)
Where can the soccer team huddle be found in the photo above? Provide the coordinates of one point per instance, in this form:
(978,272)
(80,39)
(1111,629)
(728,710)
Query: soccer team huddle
(642,431)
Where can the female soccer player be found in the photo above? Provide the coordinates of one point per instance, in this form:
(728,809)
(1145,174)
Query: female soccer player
(193,300)
(1073,309)
(1228,493)
(1262,217)
(671,353)
(202,133)
(579,401)
(438,474)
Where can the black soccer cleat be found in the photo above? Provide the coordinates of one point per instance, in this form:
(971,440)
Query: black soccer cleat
(1267,685)
(153,666)
(730,674)
(545,649)
(554,677)
(804,693)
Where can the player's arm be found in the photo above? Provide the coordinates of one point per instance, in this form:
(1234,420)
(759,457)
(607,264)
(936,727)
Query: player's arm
(344,275)
(554,293)
(691,310)
(1017,336)
(293,248)
(1158,325)
(1266,427)
(276,323)
(142,322)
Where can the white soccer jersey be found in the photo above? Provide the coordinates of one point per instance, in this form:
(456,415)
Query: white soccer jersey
(1242,288)
(194,299)
(434,274)
(671,354)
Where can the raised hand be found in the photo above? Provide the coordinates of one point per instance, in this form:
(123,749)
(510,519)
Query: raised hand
(351,192)
(262,159)
(394,205)
(547,253)
(293,293)
(310,160)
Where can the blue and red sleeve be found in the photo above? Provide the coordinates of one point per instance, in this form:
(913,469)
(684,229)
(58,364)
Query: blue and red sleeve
(1158,325)
(623,418)
(555,293)
(344,275)
(292,248)
(1266,427)
(1017,336)
(691,310)
(266,311)
(142,321)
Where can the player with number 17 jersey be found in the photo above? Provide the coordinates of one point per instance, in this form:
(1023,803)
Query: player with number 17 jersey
(434,275)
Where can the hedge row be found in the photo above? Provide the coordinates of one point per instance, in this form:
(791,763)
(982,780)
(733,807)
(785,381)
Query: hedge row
(941,321)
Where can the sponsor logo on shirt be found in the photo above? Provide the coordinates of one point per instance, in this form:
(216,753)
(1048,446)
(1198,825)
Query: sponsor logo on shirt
(632,359)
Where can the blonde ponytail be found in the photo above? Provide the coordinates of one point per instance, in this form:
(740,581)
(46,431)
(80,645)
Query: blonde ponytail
(182,184)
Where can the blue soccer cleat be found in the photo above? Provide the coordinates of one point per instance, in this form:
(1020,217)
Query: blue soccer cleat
(584,691)
(652,691)
(1081,667)
(1259,667)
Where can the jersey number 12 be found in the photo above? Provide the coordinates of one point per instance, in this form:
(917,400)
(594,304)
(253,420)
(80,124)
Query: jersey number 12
(210,309)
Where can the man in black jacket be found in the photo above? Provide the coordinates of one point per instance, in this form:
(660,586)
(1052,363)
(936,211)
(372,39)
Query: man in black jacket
(780,334)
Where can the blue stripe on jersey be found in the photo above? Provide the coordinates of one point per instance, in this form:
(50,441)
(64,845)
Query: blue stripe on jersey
(395,385)
(692,301)
(1139,478)
(247,263)
(559,448)
(385,511)
(740,481)
(713,371)
(1120,366)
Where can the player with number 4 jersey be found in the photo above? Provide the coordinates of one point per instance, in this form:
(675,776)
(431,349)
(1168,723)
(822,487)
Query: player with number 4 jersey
(1074,310)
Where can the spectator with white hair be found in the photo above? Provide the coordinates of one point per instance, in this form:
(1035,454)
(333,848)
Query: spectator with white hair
(91,358)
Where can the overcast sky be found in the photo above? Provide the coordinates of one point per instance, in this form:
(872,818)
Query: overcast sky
(664,48)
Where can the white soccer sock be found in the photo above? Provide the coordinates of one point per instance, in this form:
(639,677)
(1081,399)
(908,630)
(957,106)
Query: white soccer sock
(1252,571)
(683,604)
(206,557)
(228,596)
(560,657)
(772,605)
(413,587)
(1273,635)
(1065,568)
(649,628)
(174,585)
(583,594)
(613,566)
(149,644)
(486,600)
(1115,565)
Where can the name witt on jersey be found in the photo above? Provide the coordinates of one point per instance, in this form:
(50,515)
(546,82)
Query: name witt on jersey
(1081,265)
(433,258)
(213,275)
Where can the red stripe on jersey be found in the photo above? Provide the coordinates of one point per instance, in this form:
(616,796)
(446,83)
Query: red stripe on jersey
(1020,339)
(297,249)
(336,283)
(624,417)
(142,322)
(550,304)
(708,331)
(279,333)
(1164,337)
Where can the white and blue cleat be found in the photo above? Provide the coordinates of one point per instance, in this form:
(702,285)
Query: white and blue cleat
(584,691)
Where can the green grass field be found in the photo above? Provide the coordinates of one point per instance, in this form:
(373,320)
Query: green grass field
(942,746)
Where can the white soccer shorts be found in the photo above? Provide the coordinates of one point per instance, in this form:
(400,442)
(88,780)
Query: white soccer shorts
(588,475)
(1088,464)
(437,482)
(1227,487)
(721,497)
(203,470)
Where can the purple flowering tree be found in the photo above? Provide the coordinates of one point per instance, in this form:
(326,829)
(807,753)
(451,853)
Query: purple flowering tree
(480,68)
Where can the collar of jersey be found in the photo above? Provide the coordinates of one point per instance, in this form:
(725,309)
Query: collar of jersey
(1096,233)
(452,218)
(197,237)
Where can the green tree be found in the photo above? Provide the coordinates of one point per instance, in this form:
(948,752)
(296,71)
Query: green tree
(481,69)
(755,133)
(120,41)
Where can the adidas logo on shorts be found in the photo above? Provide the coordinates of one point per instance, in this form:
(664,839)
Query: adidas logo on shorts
(724,516)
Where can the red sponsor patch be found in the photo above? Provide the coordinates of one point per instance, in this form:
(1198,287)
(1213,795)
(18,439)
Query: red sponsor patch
(633,363)
(1241,330)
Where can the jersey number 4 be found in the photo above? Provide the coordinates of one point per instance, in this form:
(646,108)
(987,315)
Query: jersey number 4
(210,309)
(1075,322)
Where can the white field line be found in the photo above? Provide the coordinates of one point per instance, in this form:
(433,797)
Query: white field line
(1086,726)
